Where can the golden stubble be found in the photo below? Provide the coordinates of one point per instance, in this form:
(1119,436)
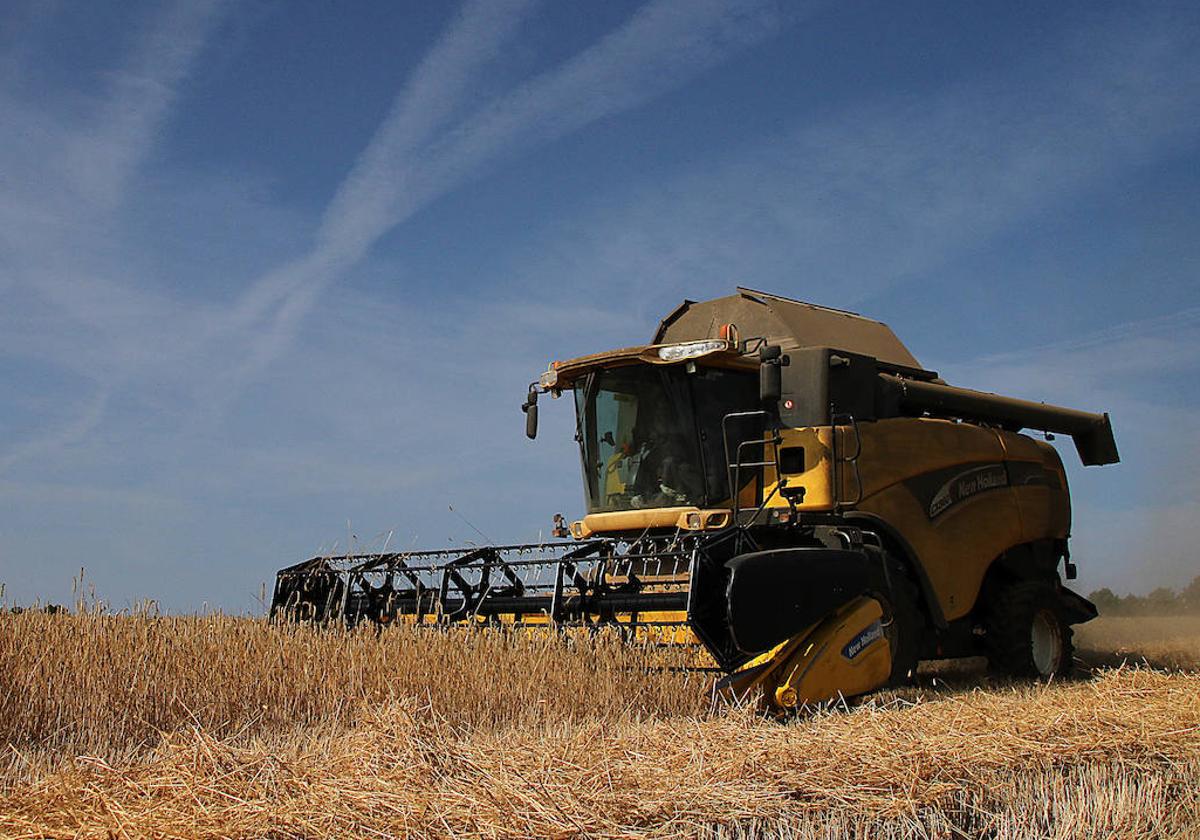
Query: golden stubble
(229,727)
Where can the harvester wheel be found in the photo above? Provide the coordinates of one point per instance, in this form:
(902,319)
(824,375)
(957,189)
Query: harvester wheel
(1026,633)
(906,627)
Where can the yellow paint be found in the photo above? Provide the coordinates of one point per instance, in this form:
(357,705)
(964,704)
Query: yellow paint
(687,518)
(817,477)
(667,627)
(813,666)
(1045,508)
(957,547)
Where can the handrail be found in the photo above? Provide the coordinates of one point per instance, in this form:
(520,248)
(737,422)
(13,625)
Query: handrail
(852,460)
(734,467)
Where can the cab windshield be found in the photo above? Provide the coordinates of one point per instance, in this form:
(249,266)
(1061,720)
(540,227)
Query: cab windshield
(651,435)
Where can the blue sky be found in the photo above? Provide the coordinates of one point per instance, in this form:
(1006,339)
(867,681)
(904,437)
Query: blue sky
(274,276)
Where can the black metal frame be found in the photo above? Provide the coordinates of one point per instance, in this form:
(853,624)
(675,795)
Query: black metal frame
(604,581)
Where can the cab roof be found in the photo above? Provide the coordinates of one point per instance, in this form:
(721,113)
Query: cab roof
(786,322)
(716,352)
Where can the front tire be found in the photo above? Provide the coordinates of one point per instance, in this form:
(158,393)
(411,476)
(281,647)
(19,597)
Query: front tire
(906,627)
(1027,634)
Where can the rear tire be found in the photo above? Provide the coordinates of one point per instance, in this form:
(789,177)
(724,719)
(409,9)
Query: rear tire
(1026,631)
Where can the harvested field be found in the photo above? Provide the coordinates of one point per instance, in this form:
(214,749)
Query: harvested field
(221,727)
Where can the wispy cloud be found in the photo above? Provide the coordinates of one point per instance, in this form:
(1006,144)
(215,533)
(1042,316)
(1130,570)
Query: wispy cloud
(658,49)
(364,206)
(67,178)
(139,99)
(424,149)
(1118,356)
(883,193)
(67,168)
(72,432)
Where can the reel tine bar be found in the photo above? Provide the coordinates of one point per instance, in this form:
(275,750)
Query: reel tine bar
(560,584)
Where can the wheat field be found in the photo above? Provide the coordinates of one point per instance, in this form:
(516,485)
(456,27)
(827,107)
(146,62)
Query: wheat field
(140,726)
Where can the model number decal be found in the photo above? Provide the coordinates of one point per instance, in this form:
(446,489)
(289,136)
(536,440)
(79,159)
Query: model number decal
(860,642)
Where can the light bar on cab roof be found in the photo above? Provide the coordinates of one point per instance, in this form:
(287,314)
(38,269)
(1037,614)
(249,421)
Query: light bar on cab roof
(678,352)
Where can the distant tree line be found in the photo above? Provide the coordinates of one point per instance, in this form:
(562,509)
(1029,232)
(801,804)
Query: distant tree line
(1162,601)
(49,609)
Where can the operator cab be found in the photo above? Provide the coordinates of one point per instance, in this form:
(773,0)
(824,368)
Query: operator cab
(651,435)
(657,427)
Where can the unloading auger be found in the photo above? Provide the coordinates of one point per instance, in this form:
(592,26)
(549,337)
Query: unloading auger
(784,485)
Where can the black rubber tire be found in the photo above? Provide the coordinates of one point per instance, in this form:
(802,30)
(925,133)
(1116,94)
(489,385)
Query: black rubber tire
(906,628)
(1026,632)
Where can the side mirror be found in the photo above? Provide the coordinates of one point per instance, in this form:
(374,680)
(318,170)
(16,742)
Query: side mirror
(770,374)
(531,411)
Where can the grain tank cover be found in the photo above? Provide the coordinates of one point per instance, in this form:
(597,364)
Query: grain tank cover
(788,323)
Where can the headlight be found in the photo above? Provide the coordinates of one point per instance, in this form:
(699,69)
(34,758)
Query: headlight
(677,352)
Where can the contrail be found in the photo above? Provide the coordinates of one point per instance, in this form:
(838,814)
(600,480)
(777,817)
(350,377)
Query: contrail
(100,160)
(65,435)
(660,48)
(358,213)
(140,97)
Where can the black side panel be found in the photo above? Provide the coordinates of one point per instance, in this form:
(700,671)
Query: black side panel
(707,608)
(817,380)
(772,595)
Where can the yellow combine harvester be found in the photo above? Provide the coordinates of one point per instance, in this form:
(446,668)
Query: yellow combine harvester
(785,485)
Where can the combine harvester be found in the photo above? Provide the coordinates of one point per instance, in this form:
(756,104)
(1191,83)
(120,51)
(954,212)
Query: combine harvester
(785,485)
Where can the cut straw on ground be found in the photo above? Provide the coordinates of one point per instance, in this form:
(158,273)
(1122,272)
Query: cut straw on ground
(410,735)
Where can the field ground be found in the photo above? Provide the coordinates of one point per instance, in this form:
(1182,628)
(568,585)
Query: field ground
(1170,642)
(221,727)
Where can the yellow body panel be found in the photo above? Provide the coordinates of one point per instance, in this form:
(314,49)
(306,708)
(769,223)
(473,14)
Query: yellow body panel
(683,518)
(843,655)
(1045,508)
(958,542)
(817,476)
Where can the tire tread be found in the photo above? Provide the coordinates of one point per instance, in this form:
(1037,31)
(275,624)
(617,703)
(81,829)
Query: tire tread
(1008,620)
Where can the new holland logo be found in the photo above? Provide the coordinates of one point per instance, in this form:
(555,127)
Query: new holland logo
(967,484)
(863,640)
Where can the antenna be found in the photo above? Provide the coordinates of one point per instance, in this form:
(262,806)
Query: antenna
(472,526)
